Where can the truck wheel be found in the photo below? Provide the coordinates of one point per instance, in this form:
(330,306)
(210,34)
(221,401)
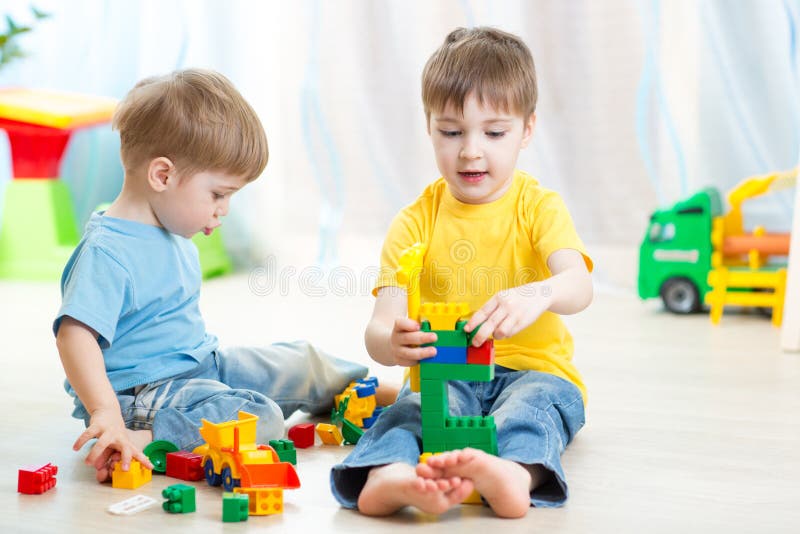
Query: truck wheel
(680,295)
(228,482)
(212,478)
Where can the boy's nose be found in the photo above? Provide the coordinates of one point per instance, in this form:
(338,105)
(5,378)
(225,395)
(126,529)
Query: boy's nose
(470,150)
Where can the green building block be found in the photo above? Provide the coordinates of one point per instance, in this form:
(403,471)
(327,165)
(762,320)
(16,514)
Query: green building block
(180,499)
(456,371)
(285,449)
(447,338)
(235,507)
(38,230)
(350,432)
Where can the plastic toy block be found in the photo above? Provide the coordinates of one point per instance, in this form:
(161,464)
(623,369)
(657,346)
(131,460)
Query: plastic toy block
(185,465)
(180,499)
(285,449)
(135,504)
(235,507)
(263,501)
(357,402)
(434,403)
(36,248)
(447,338)
(350,432)
(449,355)
(432,434)
(329,434)
(33,480)
(443,315)
(483,355)
(157,451)
(456,371)
(137,475)
(302,435)
(367,422)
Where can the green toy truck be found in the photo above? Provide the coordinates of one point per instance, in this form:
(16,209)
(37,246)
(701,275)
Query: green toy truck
(675,255)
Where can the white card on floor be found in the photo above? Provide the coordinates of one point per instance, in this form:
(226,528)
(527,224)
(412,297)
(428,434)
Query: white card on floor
(132,505)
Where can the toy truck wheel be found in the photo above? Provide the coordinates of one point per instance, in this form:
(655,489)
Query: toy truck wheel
(228,482)
(212,478)
(680,295)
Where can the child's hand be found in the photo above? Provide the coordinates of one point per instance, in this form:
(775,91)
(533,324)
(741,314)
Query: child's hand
(509,312)
(112,437)
(405,340)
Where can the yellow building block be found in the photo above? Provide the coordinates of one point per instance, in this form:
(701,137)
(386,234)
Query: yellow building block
(263,501)
(136,476)
(443,315)
(329,434)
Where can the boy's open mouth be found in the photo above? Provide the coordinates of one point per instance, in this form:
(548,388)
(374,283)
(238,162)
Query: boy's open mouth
(472,176)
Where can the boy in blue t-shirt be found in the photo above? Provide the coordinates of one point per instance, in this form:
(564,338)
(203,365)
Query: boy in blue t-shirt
(129,331)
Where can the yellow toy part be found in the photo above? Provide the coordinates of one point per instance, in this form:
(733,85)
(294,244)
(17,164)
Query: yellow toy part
(263,501)
(54,109)
(733,287)
(329,434)
(408,274)
(443,315)
(137,475)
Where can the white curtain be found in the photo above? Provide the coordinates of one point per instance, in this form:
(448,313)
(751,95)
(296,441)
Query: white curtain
(641,103)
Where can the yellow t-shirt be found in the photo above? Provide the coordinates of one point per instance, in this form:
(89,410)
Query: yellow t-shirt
(476,250)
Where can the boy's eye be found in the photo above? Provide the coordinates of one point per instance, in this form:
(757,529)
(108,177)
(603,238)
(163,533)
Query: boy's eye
(450,133)
(495,134)
(218,196)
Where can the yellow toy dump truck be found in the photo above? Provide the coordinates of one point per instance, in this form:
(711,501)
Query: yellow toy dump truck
(233,459)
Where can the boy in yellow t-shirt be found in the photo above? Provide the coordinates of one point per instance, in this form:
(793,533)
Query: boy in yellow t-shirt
(507,246)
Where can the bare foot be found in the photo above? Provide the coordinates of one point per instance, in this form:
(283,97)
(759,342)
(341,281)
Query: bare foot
(392,487)
(105,465)
(386,394)
(505,485)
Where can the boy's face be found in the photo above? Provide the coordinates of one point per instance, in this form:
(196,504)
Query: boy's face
(477,152)
(196,203)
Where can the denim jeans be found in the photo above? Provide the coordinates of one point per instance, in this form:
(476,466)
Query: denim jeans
(536,414)
(271,382)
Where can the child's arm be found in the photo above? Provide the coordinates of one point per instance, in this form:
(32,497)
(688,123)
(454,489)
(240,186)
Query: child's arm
(391,337)
(508,312)
(85,369)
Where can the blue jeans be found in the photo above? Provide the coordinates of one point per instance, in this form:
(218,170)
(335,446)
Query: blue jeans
(536,414)
(271,382)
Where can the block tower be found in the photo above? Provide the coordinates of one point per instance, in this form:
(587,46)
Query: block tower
(456,359)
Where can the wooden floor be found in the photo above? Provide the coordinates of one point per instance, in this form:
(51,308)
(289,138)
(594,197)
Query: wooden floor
(691,428)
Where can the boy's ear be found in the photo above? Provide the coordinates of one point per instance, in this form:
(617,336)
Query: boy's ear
(527,132)
(160,171)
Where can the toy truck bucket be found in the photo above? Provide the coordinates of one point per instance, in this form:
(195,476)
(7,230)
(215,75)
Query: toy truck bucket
(279,475)
(221,435)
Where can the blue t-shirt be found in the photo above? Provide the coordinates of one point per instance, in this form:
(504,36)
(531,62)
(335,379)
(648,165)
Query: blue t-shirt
(137,286)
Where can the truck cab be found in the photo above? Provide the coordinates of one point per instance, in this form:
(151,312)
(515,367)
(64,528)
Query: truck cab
(675,254)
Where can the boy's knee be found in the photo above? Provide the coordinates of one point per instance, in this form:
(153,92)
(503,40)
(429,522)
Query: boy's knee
(270,423)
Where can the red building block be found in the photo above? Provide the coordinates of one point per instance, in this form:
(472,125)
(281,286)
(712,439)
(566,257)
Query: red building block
(37,479)
(483,355)
(302,435)
(185,465)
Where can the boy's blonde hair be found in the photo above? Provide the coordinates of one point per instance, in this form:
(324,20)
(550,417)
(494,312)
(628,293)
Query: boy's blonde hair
(194,117)
(494,65)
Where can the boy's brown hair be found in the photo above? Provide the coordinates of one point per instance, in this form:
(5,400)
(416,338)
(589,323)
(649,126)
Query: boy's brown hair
(494,65)
(194,117)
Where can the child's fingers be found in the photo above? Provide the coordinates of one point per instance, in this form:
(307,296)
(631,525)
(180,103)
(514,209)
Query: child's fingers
(87,434)
(417,338)
(404,324)
(481,315)
(125,457)
(143,459)
(97,451)
(507,328)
